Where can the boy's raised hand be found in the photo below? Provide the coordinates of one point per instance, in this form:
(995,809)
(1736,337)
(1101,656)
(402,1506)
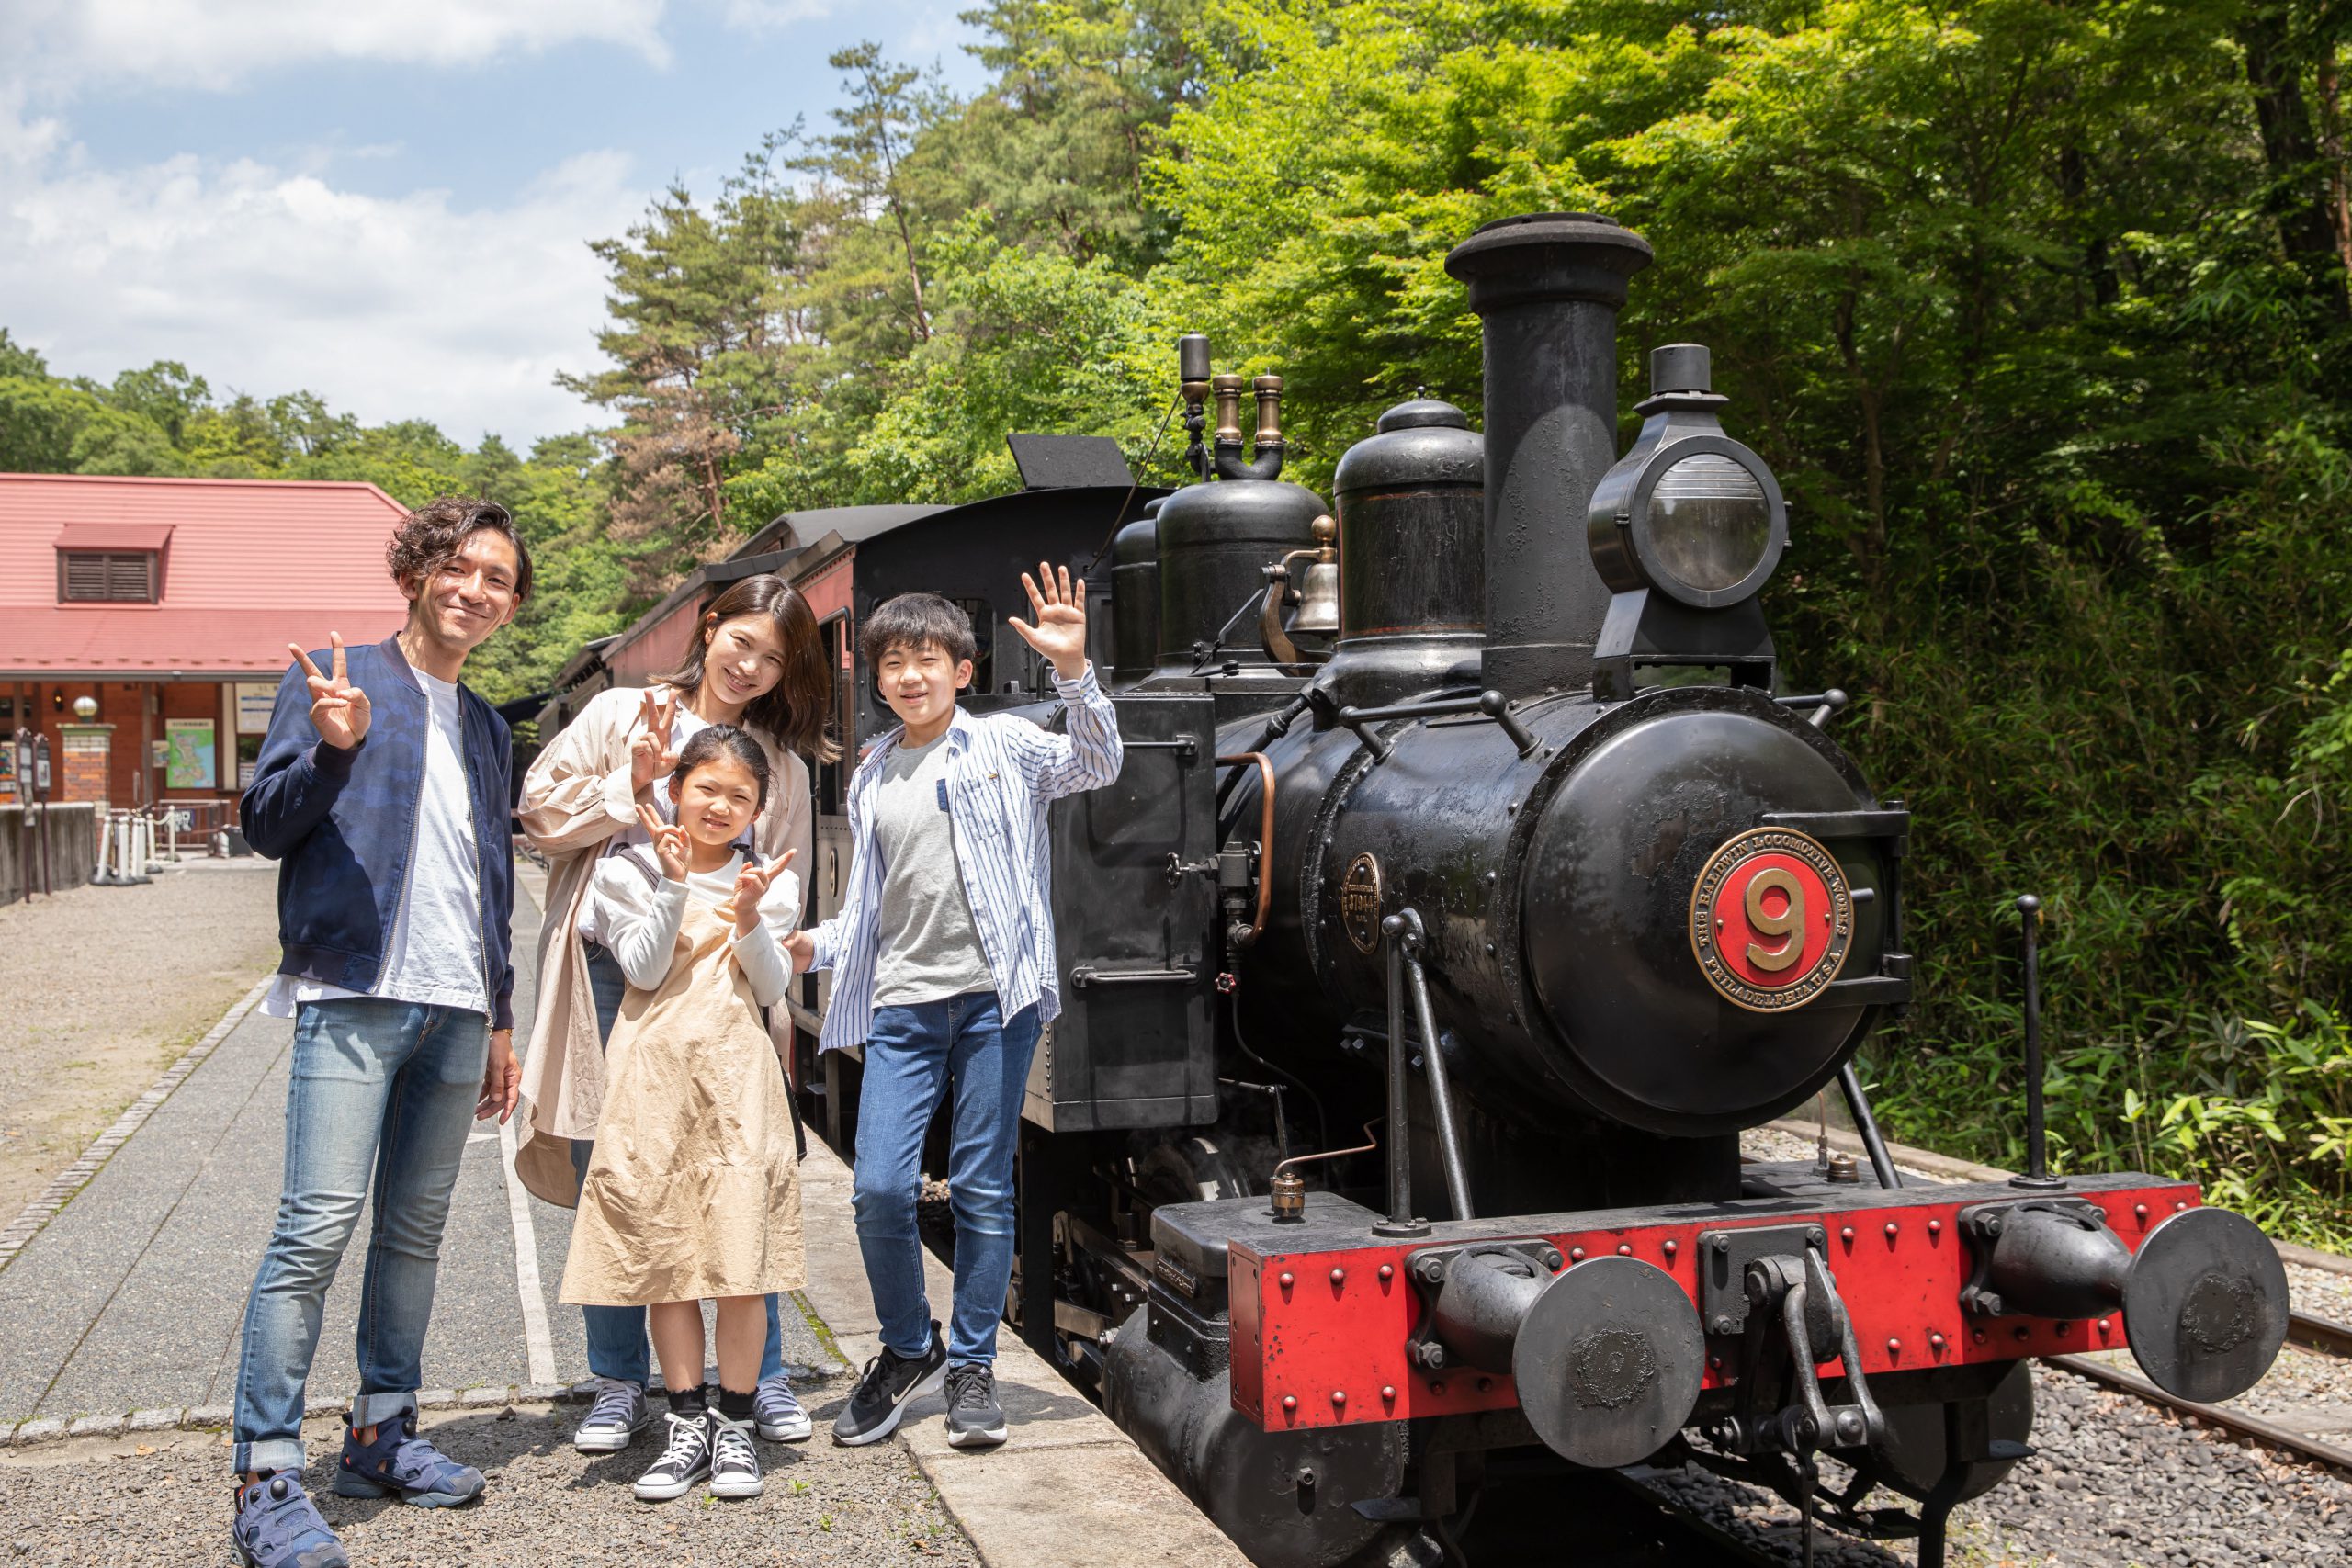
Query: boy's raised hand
(669,842)
(1061,631)
(339,710)
(752,886)
(649,753)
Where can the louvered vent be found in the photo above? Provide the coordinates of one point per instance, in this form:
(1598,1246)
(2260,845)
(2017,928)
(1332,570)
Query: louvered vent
(113,577)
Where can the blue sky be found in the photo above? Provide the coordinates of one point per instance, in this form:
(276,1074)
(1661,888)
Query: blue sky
(386,203)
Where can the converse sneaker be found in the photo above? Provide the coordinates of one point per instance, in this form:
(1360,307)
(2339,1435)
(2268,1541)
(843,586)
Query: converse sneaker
(891,1383)
(975,1420)
(620,1414)
(683,1462)
(278,1526)
(734,1462)
(781,1419)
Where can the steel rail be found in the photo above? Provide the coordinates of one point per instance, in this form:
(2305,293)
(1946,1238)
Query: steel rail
(2245,1423)
(2318,1334)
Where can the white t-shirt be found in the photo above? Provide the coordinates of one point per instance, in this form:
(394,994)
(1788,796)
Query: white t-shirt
(435,955)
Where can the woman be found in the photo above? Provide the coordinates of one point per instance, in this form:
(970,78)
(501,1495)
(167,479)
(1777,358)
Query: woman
(759,663)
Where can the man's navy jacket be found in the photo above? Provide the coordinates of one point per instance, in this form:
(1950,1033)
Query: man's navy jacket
(343,823)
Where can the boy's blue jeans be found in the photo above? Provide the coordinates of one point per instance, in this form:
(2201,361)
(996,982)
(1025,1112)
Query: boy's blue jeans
(382,1086)
(617,1346)
(913,1055)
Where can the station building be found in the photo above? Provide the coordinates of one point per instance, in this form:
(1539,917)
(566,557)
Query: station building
(168,603)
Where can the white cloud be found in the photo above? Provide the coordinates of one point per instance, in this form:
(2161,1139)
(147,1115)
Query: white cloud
(218,43)
(268,280)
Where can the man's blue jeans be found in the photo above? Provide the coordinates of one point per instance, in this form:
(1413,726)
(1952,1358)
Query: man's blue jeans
(617,1334)
(913,1056)
(382,1086)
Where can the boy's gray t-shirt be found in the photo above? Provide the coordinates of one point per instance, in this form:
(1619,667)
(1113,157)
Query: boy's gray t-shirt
(930,948)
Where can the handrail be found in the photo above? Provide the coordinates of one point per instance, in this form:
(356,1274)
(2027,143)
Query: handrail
(1265,837)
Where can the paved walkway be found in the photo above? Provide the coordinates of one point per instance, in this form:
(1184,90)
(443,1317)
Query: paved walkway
(132,1297)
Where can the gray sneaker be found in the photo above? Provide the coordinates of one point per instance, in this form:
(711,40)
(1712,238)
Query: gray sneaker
(780,1417)
(618,1414)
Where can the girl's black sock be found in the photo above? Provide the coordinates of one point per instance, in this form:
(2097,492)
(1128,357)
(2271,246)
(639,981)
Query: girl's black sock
(686,1403)
(735,1406)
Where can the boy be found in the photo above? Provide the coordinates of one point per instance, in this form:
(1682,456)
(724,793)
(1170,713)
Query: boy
(944,972)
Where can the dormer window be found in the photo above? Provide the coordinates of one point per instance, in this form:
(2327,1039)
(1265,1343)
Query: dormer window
(103,563)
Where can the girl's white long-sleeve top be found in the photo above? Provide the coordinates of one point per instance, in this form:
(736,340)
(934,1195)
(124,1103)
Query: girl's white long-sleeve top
(639,921)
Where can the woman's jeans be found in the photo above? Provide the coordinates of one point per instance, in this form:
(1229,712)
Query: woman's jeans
(913,1056)
(617,1334)
(382,1086)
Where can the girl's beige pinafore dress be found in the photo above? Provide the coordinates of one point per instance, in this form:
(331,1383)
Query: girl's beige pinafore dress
(694,1190)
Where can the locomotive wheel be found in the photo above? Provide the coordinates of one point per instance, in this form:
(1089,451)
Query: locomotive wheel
(1910,1459)
(1191,1169)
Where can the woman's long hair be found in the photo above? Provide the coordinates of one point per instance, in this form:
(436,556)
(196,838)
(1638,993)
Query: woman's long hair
(796,712)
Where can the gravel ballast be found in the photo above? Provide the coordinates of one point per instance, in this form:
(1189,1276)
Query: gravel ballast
(166,1500)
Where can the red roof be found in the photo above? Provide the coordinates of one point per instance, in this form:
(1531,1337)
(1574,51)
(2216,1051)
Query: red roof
(249,566)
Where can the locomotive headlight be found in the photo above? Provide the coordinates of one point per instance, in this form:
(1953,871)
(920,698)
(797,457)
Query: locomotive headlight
(1688,511)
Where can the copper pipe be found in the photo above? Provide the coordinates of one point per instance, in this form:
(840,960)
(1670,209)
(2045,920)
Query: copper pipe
(1363,1148)
(1265,835)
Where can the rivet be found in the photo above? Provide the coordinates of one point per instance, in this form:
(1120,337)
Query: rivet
(2021,1331)
(2063,1328)
(1891,1228)
(1388,1270)
(1894,1347)
(1286,1279)
(1979,1337)
(1935,1227)
(1935,1341)
(1722,1244)
(2177,1208)
(1339,1276)
(1716,1362)
(1339,1397)
(1576,1255)
(2139,1210)
(1485,1385)
(1670,1246)
(1388,1392)
(1290,1401)
(2107,1325)
(1625,1250)
(1846,1234)
(1437,1387)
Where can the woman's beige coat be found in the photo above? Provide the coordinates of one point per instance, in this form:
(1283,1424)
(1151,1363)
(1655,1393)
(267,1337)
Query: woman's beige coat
(576,798)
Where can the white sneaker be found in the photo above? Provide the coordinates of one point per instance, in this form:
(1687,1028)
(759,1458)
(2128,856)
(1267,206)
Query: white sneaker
(734,1462)
(616,1418)
(683,1462)
(781,1419)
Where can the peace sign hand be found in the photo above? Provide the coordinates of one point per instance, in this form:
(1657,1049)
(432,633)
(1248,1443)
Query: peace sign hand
(750,886)
(339,710)
(649,754)
(669,842)
(1061,631)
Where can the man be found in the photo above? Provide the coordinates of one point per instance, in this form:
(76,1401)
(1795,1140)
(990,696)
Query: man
(382,789)
(944,970)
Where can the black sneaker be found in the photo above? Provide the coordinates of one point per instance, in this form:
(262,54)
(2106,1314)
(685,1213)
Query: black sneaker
(975,1420)
(891,1382)
(734,1462)
(685,1461)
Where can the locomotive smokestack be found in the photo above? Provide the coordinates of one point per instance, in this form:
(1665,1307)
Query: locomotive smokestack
(1547,287)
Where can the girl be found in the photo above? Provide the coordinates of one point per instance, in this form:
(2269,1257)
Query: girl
(693,1192)
(758,663)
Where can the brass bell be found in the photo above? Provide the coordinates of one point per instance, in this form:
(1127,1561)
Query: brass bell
(1319,592)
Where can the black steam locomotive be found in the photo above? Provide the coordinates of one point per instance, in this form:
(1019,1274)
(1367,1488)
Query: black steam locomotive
(1468,889)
